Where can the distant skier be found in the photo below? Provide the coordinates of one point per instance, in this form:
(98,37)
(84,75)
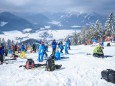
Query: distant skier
(22,47)
(94,41)
(53,44)
(1,54)
(114,39)
(69,43)
(34,47)
(61,46)
(22,54)
(66,47)
(102,42)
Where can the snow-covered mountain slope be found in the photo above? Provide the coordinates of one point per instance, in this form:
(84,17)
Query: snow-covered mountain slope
(40,34)
(78,70)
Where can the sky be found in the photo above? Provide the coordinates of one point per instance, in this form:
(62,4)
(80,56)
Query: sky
(37,6)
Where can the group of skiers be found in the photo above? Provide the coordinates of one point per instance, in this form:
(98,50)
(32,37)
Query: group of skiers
(42,49)
(55,49)
(15,49)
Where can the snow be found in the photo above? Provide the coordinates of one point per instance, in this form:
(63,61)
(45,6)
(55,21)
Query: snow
(56,23)
(27,30)
(2,24)
(53,34)
(47,27)
(78,70)
(75,26)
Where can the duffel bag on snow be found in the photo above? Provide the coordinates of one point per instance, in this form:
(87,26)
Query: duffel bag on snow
(108,75)
(50,65)
(29,64)
(108,44)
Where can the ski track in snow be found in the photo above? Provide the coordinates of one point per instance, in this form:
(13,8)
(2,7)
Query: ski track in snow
(77,70)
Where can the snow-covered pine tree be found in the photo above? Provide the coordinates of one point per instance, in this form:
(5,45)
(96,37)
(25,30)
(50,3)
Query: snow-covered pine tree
(75,39)
(109,25)
(91,32)
(98,30)
(0,40)
(83,35)
(12,42)
(9,42)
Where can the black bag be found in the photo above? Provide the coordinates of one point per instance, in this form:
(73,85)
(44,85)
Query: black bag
(50,65)
(111,77)
(58,66)
(108,44)
(29,64)
(108,75)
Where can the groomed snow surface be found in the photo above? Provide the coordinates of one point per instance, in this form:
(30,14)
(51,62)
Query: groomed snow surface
(77,70)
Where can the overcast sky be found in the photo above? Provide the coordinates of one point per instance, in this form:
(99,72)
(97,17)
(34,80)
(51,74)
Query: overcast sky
(36,6)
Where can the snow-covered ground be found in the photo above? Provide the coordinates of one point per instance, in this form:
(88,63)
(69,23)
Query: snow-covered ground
(78,70)
(40,34)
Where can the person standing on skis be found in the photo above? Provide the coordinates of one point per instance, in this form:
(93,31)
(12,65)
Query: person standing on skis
(41,51)
(1,54)
(54,45)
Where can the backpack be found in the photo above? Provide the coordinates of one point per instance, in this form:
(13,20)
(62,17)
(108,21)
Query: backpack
(50,65)
(108,75)
(29,64)
(108,44)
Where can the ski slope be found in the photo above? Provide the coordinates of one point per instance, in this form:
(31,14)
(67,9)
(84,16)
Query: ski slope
(79,69)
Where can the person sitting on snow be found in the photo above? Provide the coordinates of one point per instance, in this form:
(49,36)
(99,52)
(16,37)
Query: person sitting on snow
(98,51)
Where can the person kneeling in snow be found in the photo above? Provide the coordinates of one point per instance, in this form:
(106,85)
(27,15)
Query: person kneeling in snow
(98,52)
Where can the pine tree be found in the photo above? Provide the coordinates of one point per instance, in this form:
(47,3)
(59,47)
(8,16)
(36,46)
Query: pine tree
(109,26)
(9,42)
(83,35)
(90,32)
(98,30)
(75,39)
(0,40)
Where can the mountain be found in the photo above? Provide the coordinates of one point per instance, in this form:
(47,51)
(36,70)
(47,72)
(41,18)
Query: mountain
(79,20)
(9,21)
(74,20)
(38,20)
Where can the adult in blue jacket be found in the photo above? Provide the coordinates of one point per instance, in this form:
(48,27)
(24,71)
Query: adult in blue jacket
(22,47)
(1,54)
(114,39)
(41,52)
(102,42)
(54,45)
